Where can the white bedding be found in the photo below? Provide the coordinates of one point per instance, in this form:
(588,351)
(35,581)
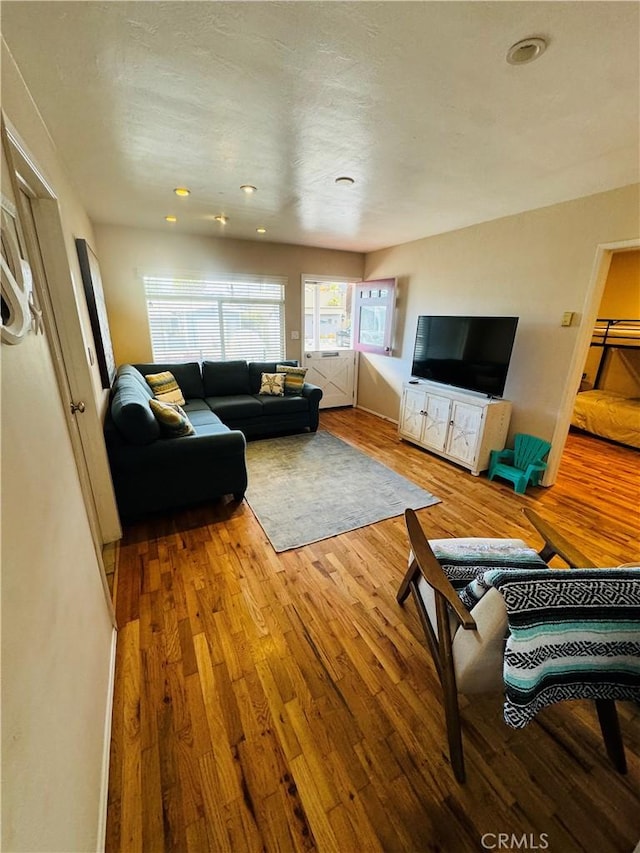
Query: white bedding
(609,415)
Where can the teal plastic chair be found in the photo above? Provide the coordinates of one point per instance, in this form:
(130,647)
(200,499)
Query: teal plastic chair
(523,465)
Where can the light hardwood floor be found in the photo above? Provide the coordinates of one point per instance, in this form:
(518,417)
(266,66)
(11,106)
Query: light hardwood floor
(286,702)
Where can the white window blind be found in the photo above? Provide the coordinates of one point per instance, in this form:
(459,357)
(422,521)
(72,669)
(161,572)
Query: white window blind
(229,317)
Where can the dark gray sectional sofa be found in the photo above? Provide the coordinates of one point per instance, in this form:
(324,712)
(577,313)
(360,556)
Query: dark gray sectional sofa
(152,473)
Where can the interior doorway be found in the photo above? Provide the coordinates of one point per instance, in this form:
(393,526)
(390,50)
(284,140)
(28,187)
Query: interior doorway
(328,352)
(591,307)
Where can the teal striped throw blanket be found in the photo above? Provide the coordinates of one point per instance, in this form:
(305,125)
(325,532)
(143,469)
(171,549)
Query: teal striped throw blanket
(465,562)
(573,634)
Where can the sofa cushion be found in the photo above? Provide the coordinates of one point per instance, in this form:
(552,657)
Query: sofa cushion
(173,421)
(272,385)
(294,378)
(235,406)
(224,378)
(196,405)
(257,368)
(287,405)
(203,417)
(165,388)
(187,375)
(213,428)
(130,410)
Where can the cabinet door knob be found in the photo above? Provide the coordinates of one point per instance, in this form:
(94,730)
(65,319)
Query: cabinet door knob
(77,407)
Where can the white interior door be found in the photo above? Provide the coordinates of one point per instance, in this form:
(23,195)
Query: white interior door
(334,371)
(28,189)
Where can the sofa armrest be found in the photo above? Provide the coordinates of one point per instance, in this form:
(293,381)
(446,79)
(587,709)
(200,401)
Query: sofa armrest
(314,394)
(312,391)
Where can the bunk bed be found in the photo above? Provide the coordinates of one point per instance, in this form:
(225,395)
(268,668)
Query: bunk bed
(608,413)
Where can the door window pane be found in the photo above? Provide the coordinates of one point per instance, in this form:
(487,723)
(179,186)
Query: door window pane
(327,315)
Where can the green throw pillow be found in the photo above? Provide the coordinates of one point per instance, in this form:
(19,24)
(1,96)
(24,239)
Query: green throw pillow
(294,378)
(165,387)
(172,419)
(272,384)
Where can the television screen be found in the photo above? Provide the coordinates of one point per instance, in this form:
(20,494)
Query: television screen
(467,352)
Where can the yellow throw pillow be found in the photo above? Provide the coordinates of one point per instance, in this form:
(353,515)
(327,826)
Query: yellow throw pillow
(272,384)
(294,378)
(172,418)
(165,387)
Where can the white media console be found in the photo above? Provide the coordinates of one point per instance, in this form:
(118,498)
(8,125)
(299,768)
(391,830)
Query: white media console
(459,425)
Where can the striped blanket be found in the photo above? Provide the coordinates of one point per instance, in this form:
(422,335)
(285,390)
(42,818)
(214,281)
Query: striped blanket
(573,634)
(465,562)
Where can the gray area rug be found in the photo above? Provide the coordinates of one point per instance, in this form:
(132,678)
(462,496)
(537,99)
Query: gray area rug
(304,488)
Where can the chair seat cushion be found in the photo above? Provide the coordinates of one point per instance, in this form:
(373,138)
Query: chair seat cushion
(478,656)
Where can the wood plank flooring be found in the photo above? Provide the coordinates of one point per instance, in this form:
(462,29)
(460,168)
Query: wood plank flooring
(285,702)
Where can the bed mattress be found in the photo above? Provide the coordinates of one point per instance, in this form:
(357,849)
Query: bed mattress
(608,415)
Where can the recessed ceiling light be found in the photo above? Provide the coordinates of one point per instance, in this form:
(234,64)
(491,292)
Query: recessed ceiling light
(182,191)
(345,180)
(171,218)
(221,219)
(248,189)
(526,51)
(261,230)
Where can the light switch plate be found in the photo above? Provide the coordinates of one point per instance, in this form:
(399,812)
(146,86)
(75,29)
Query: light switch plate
(567,318)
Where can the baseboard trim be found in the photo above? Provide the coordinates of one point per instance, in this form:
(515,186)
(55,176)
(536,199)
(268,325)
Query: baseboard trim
(106,749)
(377,414)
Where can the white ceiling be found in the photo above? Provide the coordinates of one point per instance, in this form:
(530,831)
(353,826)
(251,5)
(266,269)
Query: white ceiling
(414,100)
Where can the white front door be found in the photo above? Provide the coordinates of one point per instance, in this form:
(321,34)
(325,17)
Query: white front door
(328,354)
(333,371)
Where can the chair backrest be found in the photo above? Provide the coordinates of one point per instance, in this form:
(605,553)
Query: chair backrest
(529,449)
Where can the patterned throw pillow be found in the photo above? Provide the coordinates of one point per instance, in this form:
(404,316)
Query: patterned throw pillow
(165,387)
(172,419)
(294,378)
(272,384)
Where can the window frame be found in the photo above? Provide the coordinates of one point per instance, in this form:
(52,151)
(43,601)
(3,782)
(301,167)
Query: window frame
(227,290)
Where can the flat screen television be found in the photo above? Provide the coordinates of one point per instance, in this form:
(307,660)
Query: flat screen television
(466,352)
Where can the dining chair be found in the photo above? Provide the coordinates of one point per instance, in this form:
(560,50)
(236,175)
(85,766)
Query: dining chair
(467,646)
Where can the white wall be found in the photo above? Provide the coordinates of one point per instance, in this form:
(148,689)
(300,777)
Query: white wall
(56,627)
(127,254)
(535,265)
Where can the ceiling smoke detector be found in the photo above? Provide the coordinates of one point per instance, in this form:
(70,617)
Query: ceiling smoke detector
(526,51)
(345,180)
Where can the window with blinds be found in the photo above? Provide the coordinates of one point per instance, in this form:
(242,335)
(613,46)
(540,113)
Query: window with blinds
(216,318)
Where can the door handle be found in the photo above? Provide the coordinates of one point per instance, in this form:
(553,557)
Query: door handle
(77,407)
